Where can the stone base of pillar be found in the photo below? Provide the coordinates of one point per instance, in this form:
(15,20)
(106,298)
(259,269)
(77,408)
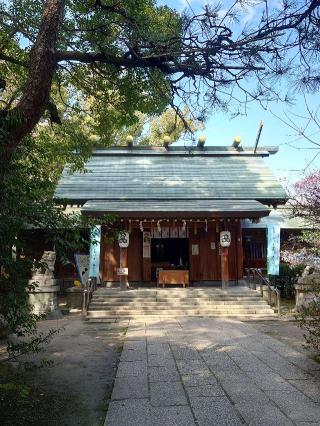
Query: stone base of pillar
(266,295)
(304,287)
(74,299)
(303,295)
(44,299)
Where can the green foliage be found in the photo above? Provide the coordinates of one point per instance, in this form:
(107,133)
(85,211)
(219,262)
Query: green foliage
(308,317)
(291,271)
(26,203)
(311,239)
(286,279)
(151,129)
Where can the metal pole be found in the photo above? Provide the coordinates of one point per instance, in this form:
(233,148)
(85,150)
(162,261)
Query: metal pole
(258,137)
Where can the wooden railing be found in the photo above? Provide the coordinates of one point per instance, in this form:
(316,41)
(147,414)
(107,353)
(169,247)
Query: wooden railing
(255,277)
(89,288)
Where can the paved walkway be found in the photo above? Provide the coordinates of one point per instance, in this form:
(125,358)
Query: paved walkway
(197,371)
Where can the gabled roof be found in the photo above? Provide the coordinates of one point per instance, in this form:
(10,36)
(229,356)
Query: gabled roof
(176,173)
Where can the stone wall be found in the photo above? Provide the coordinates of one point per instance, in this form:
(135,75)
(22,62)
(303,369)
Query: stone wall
(306,283)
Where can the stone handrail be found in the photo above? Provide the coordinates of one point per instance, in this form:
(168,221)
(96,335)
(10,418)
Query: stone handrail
(89,288)
(256,275)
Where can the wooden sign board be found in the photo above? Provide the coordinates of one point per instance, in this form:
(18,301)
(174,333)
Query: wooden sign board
(195,249)
(122,271)
(146,245)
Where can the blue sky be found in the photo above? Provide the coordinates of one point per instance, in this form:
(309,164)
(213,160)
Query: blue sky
(289,162)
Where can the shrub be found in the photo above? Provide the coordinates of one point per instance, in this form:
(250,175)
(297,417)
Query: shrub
(308,316)
(287,278)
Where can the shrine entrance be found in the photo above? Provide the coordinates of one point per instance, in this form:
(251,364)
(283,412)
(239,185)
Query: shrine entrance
(169,254)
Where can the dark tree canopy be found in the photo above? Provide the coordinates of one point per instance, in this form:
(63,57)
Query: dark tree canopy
(137,56)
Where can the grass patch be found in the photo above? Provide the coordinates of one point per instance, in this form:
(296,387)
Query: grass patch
(22,403)
(315,357)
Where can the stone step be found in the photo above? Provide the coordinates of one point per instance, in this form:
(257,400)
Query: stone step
(177,302)
(181,306)
(168,290)
(186,311)
(176,290)
(210,302)
(107,314)
(172,299)
(183,311)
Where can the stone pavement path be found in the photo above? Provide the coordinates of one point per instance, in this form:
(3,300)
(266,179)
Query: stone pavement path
(201,371)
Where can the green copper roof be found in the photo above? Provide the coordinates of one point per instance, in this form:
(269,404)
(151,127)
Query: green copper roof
(218,173)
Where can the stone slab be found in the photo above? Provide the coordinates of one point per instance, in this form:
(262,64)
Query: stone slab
(262,414)
(163,374)
(310,388)
(130,388)
(192,366)
(132,369)
(133,412)
(205,390)
(172,416)
(167,393)
(199,379)
(215,411)
(296,405)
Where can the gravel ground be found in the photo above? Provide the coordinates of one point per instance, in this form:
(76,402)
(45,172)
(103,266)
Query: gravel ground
(79,383)
(285,331)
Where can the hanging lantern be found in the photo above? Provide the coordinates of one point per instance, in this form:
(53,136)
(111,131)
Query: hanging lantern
(225,238)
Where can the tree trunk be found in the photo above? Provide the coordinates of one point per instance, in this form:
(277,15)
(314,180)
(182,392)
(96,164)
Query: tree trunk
(21,120)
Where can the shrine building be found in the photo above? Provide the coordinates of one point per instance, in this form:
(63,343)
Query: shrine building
(180,209)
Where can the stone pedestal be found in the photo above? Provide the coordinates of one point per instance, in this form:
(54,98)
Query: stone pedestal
(43,297)
(265,295)
(74,299)
(304,287)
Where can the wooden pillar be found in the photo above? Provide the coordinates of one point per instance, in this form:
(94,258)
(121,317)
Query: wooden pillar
(123,264)
(239,251)
(224,267)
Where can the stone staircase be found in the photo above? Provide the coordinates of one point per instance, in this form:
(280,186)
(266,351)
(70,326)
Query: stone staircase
(234,302)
